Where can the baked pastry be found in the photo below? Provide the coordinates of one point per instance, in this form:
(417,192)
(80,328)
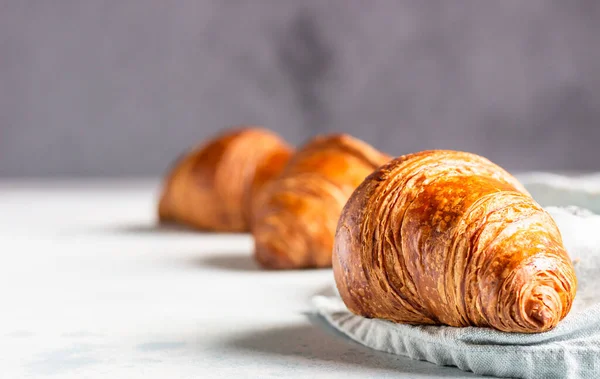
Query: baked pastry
(445,237)
(296,214)
(212,187)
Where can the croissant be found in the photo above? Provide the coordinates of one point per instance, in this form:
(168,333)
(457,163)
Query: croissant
(296,214)
(213,186)
(445,237)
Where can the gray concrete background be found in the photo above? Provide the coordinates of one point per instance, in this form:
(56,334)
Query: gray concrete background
(117,88)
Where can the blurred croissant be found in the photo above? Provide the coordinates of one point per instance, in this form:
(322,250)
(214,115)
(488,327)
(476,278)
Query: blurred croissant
(296,214)
(444,237)
(212,187)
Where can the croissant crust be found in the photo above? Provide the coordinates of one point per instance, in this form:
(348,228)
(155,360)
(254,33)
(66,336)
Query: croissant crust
(296,214)
(446,237)
(213,186)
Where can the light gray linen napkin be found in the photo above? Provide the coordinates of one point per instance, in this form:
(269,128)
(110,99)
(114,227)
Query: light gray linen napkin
(551,189)
(571,350)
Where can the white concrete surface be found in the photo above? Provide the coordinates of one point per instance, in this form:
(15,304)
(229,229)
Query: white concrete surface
(90,288)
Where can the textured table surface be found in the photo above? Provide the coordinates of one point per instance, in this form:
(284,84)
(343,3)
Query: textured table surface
(91,289)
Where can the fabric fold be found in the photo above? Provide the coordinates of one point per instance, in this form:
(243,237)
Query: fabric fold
(571,350)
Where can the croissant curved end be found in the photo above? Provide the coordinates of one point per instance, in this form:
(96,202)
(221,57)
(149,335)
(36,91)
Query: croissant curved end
(540,300)
(273,242)
(543,308)
(288,239)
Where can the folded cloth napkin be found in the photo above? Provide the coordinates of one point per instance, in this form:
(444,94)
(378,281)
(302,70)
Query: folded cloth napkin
(571,350)
(559,190)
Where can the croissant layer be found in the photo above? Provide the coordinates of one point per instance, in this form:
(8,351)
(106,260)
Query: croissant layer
(297,213)
(213,186)
(446,237)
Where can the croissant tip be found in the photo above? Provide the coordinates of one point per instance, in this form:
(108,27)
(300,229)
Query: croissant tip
(543,308)
(543,316)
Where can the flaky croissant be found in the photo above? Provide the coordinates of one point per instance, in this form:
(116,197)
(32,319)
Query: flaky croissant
(445,237)
(213,186)
(296,214)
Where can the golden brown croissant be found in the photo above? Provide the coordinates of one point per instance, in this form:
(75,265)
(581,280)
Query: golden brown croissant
(213,186)
(445,237)
(296,214)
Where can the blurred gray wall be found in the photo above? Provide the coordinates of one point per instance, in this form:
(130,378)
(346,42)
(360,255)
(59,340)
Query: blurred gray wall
(114,88)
